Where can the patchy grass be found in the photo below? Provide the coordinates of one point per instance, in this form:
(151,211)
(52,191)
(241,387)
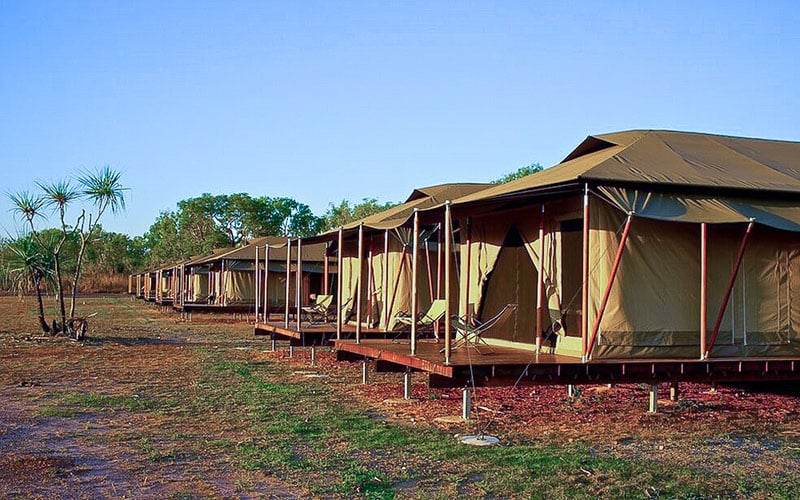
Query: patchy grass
(301,427)
(152,406)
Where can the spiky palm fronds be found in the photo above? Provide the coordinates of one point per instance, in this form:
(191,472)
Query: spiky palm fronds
(27,204)
(28,262)
(104,189)
(58,194)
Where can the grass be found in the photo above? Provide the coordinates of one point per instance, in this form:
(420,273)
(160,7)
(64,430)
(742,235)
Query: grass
(69,404)
(302,428)
(231,418)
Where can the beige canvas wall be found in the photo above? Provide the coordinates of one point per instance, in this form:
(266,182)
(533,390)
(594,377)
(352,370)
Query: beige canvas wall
(654,306)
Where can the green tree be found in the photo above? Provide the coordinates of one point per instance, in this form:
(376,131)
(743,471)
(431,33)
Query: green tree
(519,173)
(345,212)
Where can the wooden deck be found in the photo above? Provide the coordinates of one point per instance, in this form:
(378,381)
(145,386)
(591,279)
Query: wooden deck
(509,365)
(317,333)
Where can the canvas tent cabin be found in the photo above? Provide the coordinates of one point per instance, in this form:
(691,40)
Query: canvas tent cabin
(197,281)
(376,283)
(317,277)
(150,285)
(226,279)
(674,252)
(166,284)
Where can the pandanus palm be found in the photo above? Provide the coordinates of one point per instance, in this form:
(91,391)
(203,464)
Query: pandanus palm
(104,190)
(58,196)
(31,266)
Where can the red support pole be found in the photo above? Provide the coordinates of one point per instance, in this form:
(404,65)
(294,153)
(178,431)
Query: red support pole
(703,287)
(729,290)
(607,294)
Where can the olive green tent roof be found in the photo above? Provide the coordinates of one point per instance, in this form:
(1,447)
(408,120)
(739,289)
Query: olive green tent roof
(678,176)
(420,199)
(311,253)
(671,159)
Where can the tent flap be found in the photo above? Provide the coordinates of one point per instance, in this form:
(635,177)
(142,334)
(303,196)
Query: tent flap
(779,214)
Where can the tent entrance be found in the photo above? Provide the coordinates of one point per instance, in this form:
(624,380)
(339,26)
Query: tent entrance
(512,281)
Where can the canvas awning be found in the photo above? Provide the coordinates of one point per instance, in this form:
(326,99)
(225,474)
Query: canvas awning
(780,214)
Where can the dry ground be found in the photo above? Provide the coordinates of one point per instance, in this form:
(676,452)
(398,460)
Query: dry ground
(151,406)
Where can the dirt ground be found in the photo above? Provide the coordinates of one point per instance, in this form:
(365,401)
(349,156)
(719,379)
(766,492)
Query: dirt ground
(131,413)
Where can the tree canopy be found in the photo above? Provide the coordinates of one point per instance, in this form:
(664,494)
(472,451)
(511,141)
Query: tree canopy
(519,173)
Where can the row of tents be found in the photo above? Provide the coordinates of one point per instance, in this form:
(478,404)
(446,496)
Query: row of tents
(639,246)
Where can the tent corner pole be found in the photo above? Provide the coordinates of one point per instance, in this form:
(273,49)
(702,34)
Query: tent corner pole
(447,307)
(359,280)
(257,279)
(298,292)
(288,280)
(540,286)
(703,287)
(339,287)
(385,282)
(585,275)
(414,284)
(266,283)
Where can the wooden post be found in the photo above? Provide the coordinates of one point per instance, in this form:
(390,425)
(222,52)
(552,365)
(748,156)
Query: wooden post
(359,280)
(414,255)
(466,404)
(703,287)
(266,283)
(258,283)
(385,284)
(298,292)
(288,280)
(339,311)
(540,286)
(735,272)
(585,286)
(607,294)
(653,406)
(448,241)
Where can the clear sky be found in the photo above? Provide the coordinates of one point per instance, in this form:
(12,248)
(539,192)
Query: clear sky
(322,101)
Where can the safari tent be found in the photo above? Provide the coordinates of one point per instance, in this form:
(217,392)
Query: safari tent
(639,245)
(227,278)
(376,266)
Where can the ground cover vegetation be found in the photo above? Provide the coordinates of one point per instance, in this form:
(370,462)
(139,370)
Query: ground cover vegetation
(149,405)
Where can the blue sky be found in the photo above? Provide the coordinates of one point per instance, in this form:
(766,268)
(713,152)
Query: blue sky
(324,101)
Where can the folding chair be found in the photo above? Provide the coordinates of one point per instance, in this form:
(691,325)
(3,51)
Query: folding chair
(319,311)
(470,335)
(425,321)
